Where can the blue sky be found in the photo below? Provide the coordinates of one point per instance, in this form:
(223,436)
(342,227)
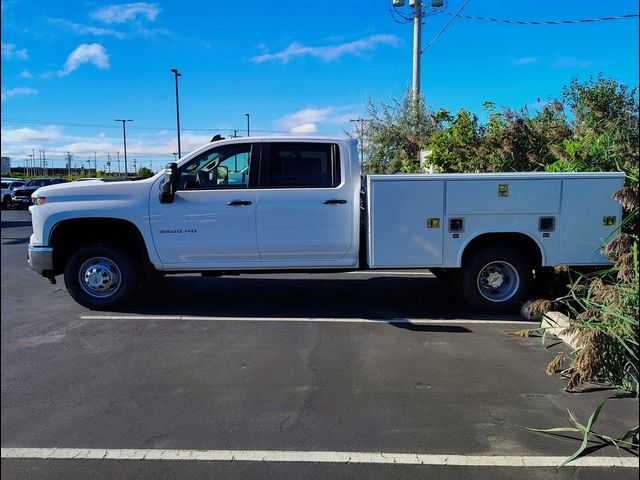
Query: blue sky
(306,66)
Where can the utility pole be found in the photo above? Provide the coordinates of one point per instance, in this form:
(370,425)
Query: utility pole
(417,34)
(31,162)
(135,169)
(247,124)
(360,122)
(44,163)
(118,153)
(95,162)
(109,164)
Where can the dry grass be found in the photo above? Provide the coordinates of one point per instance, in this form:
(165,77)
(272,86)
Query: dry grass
(556,364)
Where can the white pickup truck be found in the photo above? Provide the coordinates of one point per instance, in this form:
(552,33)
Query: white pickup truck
(265,204)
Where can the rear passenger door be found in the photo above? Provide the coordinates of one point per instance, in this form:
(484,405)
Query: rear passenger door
(305,211)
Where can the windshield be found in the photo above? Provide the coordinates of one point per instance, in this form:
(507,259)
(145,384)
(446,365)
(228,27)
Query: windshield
(38,182)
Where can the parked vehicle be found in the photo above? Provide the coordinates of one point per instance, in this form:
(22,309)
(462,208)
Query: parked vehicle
(8,184)
(299,204)
(21,197)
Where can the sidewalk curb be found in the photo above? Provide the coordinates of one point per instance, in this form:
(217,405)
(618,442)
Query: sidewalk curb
(554,323)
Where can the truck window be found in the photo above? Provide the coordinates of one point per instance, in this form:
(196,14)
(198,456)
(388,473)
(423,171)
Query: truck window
(294,165)
(219,168)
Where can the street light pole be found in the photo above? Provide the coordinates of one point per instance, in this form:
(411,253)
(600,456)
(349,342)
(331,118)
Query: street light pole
(177,74)
(124,139)
(247,124)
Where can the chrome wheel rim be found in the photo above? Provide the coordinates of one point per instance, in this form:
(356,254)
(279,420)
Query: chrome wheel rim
(498,281)
(99,277)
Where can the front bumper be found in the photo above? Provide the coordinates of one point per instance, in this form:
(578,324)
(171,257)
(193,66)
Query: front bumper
(41,259)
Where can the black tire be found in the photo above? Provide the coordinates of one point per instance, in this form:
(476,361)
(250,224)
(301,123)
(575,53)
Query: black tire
(496,279)
(100,276)
(6,202)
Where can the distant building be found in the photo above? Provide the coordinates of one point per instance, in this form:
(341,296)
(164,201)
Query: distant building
(6,165)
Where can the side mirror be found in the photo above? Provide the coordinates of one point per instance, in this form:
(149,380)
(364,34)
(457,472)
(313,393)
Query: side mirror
(170,183)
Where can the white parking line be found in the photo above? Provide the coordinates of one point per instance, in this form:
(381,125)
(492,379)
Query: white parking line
(313,457)
(401,321)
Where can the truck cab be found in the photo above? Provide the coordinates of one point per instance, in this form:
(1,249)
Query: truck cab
(277,204)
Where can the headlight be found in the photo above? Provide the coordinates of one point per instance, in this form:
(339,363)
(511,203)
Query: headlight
(38,200)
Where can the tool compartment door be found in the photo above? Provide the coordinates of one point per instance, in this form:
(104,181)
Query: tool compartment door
(399,211)
(503,196)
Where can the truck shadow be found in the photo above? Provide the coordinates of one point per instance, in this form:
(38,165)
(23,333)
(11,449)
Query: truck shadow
(306,296)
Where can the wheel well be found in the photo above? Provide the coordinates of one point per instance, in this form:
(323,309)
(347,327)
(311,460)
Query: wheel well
(69,235)
(521,242)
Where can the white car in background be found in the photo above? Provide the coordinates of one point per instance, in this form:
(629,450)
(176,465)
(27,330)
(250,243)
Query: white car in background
(8,184)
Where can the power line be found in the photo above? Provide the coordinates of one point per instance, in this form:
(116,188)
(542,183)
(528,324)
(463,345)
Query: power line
(90,125)
(456,15)
(545,22)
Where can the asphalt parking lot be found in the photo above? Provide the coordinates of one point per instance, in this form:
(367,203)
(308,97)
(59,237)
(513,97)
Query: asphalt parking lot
(281,376)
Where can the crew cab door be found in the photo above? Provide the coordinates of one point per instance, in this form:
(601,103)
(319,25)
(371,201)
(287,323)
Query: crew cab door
(305,205)
(211,222)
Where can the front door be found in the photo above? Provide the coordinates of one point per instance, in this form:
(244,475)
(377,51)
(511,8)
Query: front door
(211,222)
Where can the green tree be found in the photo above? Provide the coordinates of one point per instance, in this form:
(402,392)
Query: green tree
(145,172)
(395,135)
(455,145)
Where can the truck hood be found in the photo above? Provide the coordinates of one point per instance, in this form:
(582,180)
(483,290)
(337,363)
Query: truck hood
(95,190)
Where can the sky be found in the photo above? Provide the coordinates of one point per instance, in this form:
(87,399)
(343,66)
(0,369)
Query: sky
(306,67)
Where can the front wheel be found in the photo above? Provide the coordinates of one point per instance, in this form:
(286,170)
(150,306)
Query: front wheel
(6,202)
(100,276)
(496,279)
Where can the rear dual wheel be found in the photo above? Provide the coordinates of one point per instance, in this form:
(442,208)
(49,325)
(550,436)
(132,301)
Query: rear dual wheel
(496,279)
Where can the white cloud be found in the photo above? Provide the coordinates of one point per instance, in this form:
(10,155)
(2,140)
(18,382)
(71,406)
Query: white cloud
(10,51)
(327,53)
(86,53)
(306,120)
(87,29)
(28,135)
(25,74)
(524,60)
(304,128)
(126,12)
(308,116)
(570,62)
(18,92)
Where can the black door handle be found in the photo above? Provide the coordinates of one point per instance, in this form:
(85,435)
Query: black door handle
(235,203)
(334,201)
